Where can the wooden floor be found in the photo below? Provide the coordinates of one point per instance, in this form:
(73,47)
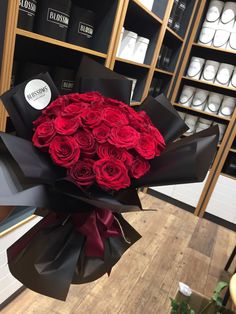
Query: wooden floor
(176,246)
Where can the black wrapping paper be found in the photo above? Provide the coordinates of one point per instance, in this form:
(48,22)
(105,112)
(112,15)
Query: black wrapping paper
(51,256)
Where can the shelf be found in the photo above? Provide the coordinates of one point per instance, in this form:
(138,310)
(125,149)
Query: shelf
(56,42)
(164,72)
(202,112)
(142,65)
(173,33)
(213,49)
(233,150)
(216,86)
(153,15)
(135,103)
(228,176)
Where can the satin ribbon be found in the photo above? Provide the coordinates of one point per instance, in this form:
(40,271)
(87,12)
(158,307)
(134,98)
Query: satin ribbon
(96,226)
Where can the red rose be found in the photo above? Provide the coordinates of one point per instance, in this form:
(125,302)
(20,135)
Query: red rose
(71,111)
(86,142)
(64,151)
(146,146)
(139,167)
(44,134)
(114,117)
(91,97)
(126,137)
(101,133)
(56,107)
(158,138)
(66,126)
(41,119)
(82,173)
(107,150)
(91,118)
(111,174)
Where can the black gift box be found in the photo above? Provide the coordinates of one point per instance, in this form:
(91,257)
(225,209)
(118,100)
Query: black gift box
(27,11)
(52,18)
(179,15)
(81,26)
(27,70)
(64,79)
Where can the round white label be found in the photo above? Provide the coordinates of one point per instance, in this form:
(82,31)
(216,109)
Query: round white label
(37,94)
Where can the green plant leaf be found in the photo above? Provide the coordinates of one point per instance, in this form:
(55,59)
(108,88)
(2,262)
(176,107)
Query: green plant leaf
(220,286)
(184,307)
(174,306)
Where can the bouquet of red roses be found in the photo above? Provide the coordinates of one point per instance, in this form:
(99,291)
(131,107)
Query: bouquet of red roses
(90,153)
(98,140)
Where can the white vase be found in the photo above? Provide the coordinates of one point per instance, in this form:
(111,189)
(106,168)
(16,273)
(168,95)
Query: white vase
(210,71)
(120,40)
(187,95)
(228,15)
(182,115)
(232,40)
(214,11)
(222,129)
(227,106)
(200,99)
(207,33)
(128,45)
(191,122)
(232,83)
(213,103)
(224,74)
(195,67)
(221,38)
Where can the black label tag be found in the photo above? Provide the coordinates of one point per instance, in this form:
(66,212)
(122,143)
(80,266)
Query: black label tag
(28,6)
(68,85)
(85,29)
(57,17)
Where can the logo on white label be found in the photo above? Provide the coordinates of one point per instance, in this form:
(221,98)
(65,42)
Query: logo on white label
(38,94)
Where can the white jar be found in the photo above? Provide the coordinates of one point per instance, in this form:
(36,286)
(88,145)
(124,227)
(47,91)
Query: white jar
(187,95)
(128,45)
(221,38)
(232,83)
(182,115)
(232,40)
(227,106)
(120,40)
(140,50)
(222,129)
(224,74)
(200,99)
(147,3)
(195,67)
(214,11)
(228,16)
(134,82)
(210,71)
(191,122)
(213,103)
(207,33)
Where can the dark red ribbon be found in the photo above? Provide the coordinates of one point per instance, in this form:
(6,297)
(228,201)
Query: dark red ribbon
(96,226)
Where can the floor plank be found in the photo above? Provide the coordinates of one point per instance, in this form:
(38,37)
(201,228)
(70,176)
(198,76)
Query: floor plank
(175,246)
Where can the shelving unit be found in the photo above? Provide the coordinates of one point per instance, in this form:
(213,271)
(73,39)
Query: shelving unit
(214,195)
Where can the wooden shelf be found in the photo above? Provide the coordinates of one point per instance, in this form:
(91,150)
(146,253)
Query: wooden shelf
(56,42)
(173,33)
(142,65)
(233,150)
(164,72)
(202,112)
(153,15)
(224,88)
(228,176)
(213,48)
(135,103)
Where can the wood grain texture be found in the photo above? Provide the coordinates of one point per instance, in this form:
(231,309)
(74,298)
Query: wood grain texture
(175,246)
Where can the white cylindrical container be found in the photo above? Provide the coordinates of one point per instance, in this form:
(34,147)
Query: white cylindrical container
(221,38)
(201,126)
(232,40)
(191,122)
(119,45)
(224,74)
(207,33)
(140,49)
(232,83)
(200,99)
(195,67)
(134,82)
(187,95)
(210,71)
(128,45)
(228,16)
(213,103)
(147,3)
(182,115)
(227,106)
(222,129)
(214,11)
